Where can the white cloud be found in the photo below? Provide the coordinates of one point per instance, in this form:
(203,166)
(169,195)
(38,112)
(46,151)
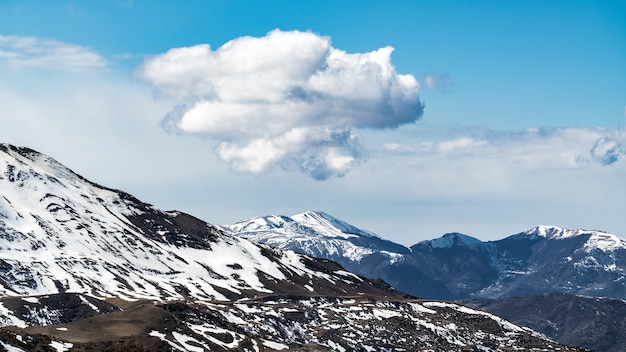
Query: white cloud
(47,53)
(283,99)
(606,151)
(441,82)
(482,163)
(459,144)
(316,152)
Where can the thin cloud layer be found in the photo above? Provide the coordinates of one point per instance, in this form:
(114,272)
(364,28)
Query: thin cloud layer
(531,149)
(287,99)
(441,82)
(47,53)
(487,164)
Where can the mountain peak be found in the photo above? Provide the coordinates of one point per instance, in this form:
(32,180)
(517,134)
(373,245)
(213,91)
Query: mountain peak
(326,223)
(551,232)
(317,234)
(597,239)
(449,240)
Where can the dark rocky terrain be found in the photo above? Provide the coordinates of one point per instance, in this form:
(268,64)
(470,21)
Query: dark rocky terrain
(591,322)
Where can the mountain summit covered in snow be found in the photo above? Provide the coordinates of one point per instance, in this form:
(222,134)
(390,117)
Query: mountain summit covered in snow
(84,267)
(320,235)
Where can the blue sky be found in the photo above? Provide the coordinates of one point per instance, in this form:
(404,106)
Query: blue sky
(525,104)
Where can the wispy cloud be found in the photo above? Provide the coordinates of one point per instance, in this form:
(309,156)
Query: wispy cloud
(288,99)
(442,82)
(606,151)
(36,52)
(478,180)
(531,149)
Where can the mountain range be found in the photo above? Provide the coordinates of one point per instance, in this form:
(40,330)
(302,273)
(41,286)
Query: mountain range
(88,268)
(541,260)
(545,278)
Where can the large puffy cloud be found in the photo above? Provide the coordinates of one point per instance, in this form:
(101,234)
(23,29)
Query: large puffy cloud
(47,53)
(287,99)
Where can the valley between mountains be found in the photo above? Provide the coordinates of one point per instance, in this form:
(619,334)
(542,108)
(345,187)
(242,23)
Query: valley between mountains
(88,268)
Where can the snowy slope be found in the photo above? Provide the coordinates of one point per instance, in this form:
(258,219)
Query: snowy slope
(60,232)
(597,240)
(318,234)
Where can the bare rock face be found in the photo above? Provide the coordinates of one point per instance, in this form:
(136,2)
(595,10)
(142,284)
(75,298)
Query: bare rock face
(88,268)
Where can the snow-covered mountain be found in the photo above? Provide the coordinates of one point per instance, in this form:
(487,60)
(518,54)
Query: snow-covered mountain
(320,235)
(86,267)
(456,266)
(62,233)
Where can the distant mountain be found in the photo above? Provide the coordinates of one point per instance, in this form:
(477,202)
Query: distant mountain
(88,268)
(456,266)
(320,235)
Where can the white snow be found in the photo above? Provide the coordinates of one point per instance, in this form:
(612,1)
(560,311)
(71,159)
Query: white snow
(157,334)
(61,346)
(312,233)
(385,313)
(185,340)
(421,309)
(30,299)
(91,305)
(335,346)
(8,318)
(10,348)
(275,345)
(347,273)
(232,318)
(603,241)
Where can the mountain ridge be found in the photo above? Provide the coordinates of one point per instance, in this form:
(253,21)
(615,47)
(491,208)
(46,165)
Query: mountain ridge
(503,267)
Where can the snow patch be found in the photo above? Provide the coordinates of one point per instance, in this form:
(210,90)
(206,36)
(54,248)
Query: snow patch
(10,348)
(275,345)
(31,299)
(61,346)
